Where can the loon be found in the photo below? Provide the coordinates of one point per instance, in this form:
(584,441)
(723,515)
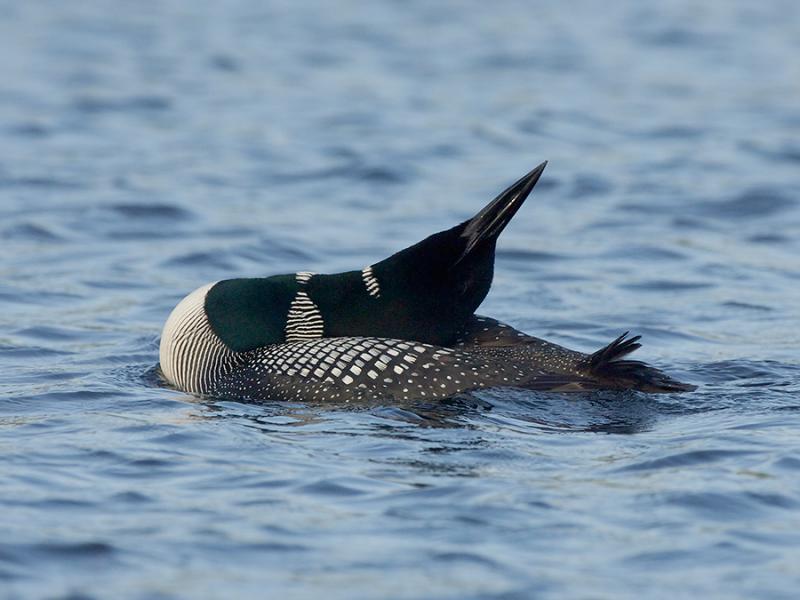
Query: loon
(403,328)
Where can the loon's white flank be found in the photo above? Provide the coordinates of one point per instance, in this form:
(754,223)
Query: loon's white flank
(192,357)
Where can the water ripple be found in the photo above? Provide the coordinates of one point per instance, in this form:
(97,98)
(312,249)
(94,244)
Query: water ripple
(147,152)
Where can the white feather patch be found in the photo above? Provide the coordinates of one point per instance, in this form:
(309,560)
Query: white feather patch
(371,282)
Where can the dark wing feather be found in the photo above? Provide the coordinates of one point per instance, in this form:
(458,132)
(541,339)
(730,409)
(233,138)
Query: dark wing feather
(608,357)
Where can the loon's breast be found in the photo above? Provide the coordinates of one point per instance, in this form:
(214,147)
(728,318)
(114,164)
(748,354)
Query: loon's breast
(191,356)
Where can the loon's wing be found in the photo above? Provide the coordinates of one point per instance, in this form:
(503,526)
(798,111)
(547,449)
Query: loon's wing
(488,332)
(567,369)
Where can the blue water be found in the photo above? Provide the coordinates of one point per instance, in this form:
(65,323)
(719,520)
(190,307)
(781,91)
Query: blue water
(149,147)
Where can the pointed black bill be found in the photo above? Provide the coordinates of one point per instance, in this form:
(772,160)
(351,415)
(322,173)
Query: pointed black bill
(490,222)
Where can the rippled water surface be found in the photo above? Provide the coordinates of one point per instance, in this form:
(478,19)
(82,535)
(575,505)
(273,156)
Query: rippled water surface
(147,148)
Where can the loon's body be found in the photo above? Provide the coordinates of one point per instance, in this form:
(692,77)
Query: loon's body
(401,329)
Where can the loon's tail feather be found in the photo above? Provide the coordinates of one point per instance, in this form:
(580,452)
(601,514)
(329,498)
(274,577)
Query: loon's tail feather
(607,363)
(493,218)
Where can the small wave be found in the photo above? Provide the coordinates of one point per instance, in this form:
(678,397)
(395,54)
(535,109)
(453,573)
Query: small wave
(728,505)
(590,185)
(154,211)
(786,152)
(747,306)
(41,182)
(79,550)
(30,130)
(753,203)
(99,104)
(686,459)
(742,370)
(667,285)
(31,231)
(529,255)
(216,261)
